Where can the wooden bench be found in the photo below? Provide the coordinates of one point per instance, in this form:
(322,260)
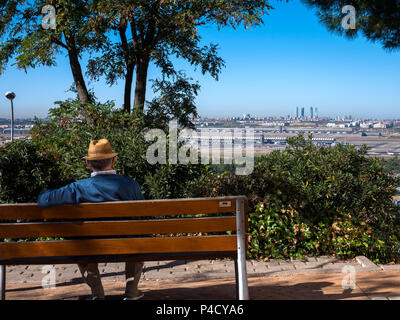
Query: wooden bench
(106,232)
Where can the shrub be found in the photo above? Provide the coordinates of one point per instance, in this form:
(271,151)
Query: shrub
(170,181)
(278,233)
(71,126)
(321,189)
(25,171)
(392,165)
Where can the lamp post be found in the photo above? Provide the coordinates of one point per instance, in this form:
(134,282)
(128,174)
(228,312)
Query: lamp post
(11,96)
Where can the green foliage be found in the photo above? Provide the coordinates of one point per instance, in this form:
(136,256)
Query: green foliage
(24,39)
(176,100)
(25,171)
(54,157)
(170,181)
(316,189)
(392,165)
(284,234)
(165,28)
(377,20)
(122,37)
(70,127)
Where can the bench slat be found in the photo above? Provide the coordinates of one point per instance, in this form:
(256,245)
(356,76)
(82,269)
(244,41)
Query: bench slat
(13,250)
(113,228)
(123,258)
(120,209)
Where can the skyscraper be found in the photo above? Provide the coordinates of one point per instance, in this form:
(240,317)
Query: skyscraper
(297,112)
(312,113)
(302,112)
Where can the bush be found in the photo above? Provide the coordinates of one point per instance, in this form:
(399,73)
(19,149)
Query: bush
(25,171)
(282,233)
(71,126)
(341,198)
(392,165)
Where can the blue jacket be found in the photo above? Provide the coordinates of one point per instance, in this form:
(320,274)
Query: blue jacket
(100,188)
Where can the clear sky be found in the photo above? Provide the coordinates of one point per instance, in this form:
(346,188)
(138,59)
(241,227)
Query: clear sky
(290,61)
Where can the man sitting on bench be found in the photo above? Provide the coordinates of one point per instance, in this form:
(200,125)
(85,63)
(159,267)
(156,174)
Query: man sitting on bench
(103,186)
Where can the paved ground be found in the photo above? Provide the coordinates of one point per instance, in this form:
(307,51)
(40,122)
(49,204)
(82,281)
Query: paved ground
(321,278)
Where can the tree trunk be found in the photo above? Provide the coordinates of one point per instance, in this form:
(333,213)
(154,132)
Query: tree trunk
(142,67)
(128,88)
(76,69)
(130,66)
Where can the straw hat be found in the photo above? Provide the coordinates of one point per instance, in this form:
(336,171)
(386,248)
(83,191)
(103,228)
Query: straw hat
(100,150)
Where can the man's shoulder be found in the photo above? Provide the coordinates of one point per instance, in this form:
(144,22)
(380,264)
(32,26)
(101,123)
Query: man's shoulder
(130,180)
(126,178)
(110,176)
(82,182)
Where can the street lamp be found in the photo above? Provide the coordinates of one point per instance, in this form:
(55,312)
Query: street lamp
(11,96)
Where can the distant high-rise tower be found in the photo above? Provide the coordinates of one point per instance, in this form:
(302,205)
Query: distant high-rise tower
(312,113)
(316,113)
(302,112)
(297,112)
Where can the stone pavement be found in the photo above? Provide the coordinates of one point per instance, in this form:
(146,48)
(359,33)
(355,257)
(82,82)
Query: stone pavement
(309,278)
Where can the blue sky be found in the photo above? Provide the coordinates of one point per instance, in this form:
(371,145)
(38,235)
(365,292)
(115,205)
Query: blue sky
(290,61)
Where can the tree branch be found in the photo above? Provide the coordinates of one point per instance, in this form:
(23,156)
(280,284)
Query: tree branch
(59,43)
(132,22)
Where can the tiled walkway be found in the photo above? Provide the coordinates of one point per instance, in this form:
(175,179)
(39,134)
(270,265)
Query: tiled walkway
(309,278)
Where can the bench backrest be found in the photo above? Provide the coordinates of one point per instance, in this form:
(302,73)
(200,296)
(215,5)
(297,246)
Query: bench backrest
(117,228)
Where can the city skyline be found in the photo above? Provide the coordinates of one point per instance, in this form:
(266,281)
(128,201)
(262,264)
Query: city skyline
(295,115)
